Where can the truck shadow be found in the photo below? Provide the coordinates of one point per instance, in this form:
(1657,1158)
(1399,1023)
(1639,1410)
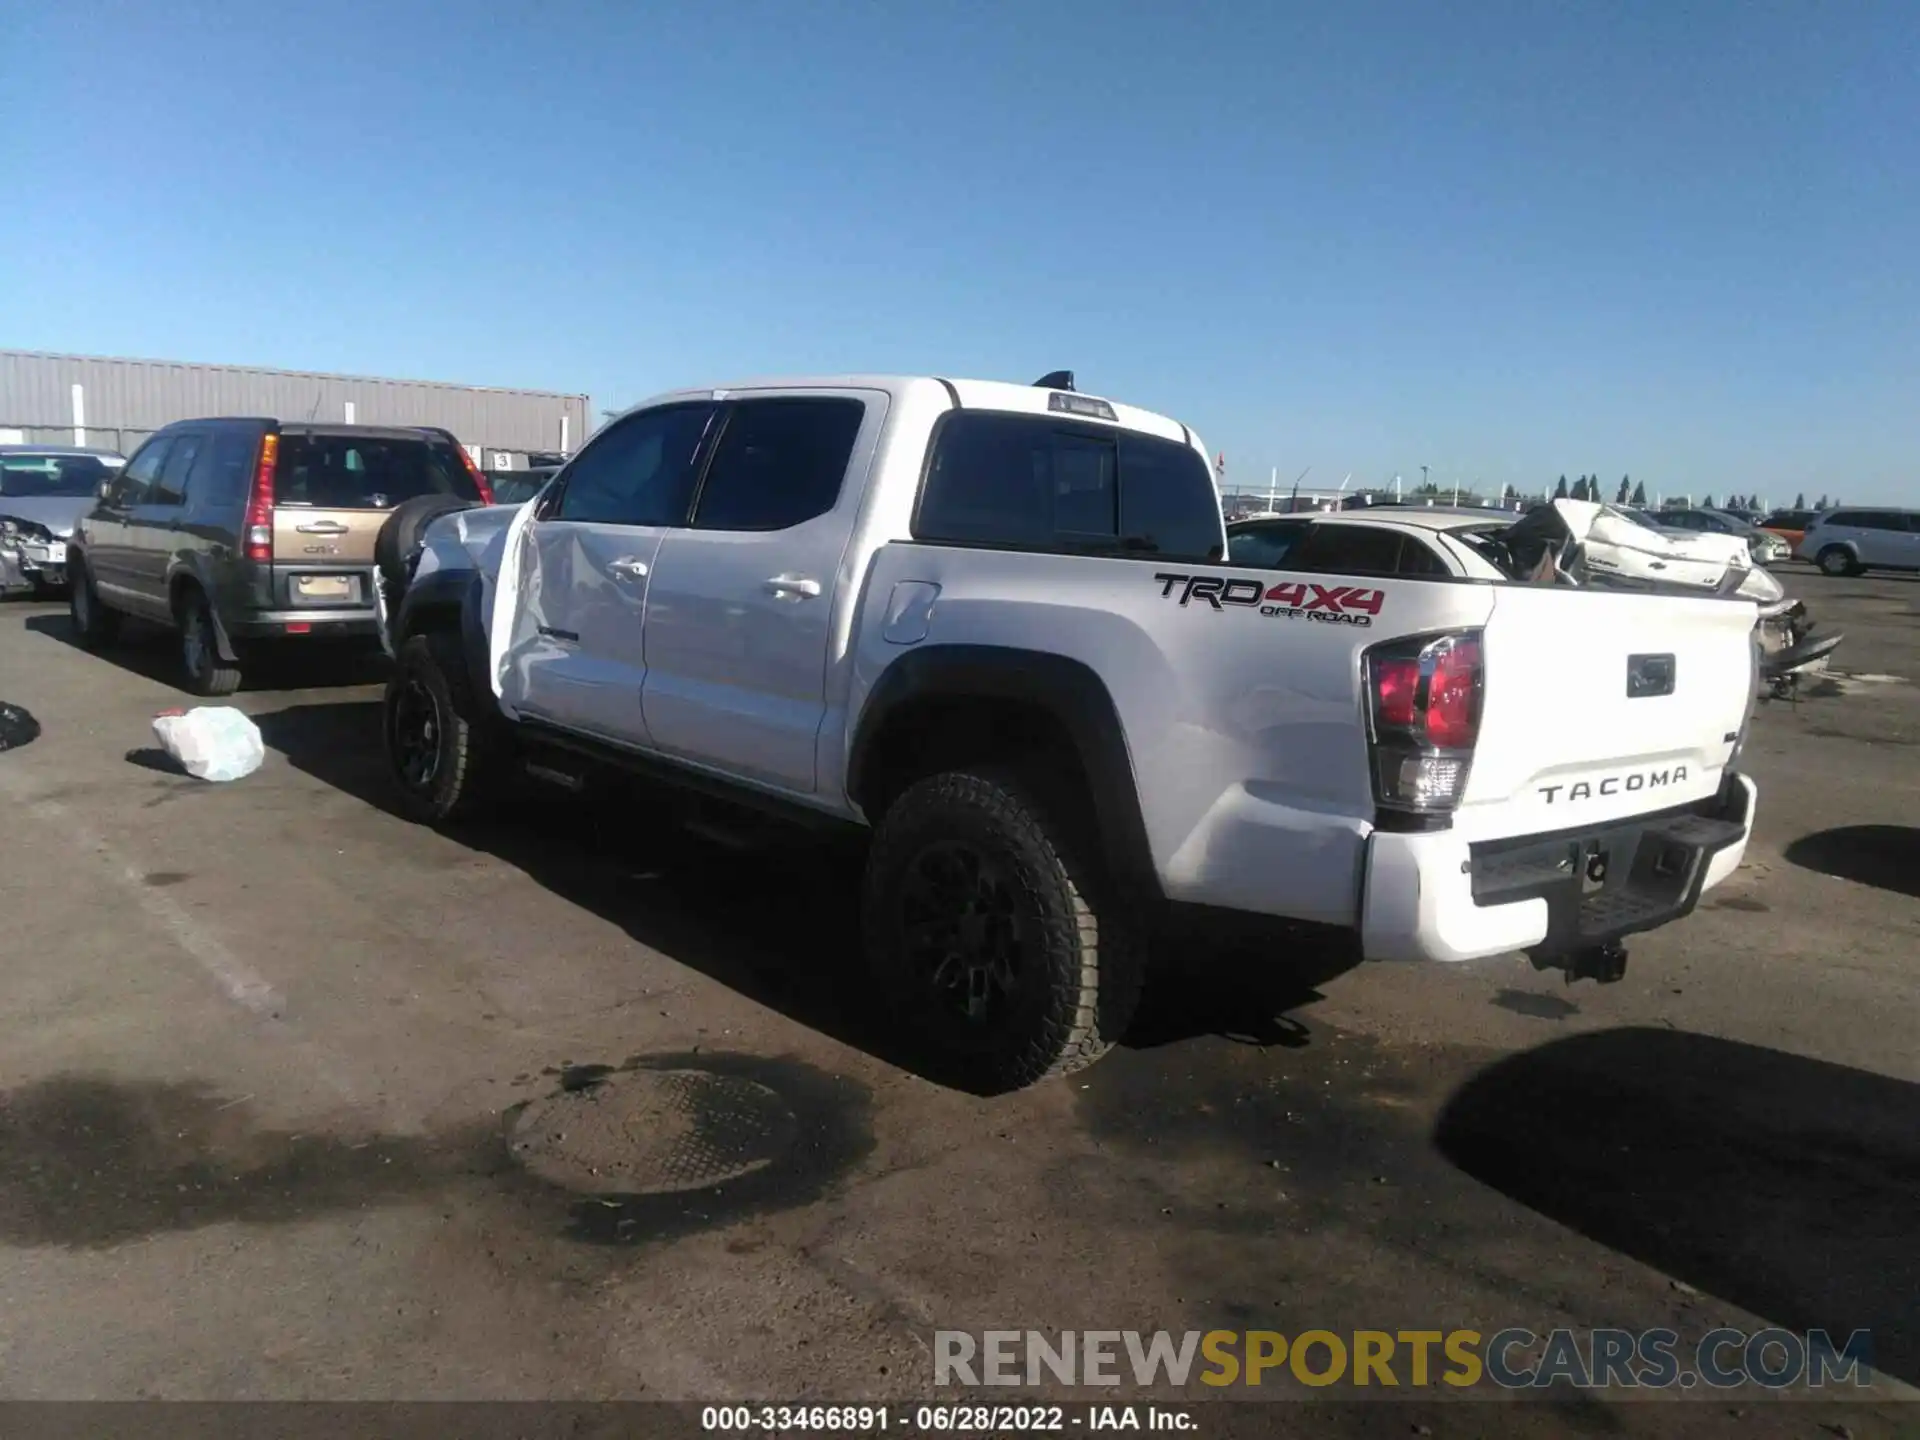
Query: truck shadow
(777,921)
(153,653)
(1783,1185)
(1884,856)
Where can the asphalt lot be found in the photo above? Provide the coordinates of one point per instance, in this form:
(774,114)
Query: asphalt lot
(264,1041)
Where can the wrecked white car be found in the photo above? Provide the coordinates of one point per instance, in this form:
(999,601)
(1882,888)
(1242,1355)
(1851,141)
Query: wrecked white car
(1578,542)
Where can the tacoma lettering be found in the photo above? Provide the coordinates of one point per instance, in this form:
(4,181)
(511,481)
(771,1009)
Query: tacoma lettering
(1614,784)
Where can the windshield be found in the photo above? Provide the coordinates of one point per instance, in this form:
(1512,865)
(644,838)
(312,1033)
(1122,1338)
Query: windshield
(1617,512)
(52,477)
(361,472)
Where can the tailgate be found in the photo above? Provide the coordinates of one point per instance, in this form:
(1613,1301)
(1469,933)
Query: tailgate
(334,488)
(325,537)
(1600,705)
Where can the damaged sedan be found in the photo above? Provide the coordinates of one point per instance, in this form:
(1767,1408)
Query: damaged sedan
(44,489)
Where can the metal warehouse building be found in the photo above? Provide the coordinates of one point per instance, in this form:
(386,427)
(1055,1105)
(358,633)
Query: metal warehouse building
(85,400)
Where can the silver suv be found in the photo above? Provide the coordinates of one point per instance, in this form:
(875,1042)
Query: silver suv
(1846,542)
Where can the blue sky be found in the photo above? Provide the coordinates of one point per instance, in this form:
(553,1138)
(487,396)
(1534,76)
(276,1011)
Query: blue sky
(1505,240)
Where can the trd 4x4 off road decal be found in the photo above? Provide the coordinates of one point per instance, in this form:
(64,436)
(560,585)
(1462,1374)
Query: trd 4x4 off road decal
(1336,604)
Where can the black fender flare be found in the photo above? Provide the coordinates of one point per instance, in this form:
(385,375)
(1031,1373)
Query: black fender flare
(473,641)
(195,568)
(1069,691)
(443,592)
(456,596)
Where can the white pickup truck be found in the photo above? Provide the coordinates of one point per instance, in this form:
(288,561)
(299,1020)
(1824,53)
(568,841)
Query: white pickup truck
(995,625)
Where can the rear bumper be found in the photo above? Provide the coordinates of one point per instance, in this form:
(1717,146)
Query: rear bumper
(318,624)
(1438,897)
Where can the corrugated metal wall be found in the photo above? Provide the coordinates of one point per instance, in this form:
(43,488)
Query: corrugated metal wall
(125,400)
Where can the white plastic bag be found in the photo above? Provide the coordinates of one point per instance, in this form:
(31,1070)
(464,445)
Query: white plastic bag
(211,742)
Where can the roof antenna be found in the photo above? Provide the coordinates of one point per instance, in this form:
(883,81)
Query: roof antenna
(1055,380)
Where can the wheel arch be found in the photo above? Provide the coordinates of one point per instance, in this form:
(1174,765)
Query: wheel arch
(943,705)
(1850,548)
(188,573)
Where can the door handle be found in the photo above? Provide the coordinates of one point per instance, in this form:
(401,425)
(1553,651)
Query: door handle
(798,585)
(322,527)
(629,566)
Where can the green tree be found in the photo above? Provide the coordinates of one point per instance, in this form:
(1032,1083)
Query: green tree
(1639,495)
(1821,504)
(1560,490)
(1800,501)
(1620,495)
(1707,504)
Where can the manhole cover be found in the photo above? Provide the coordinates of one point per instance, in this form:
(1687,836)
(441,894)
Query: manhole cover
(649,1132)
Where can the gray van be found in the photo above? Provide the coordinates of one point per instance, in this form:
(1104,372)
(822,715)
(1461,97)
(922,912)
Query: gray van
(238,530)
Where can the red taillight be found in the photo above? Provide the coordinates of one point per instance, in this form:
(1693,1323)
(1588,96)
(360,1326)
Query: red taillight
(259,536)
(1453,696)
(1395,683)
(479,476)
(1425,700)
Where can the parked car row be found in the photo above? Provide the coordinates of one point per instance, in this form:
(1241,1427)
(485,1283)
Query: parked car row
(1766,547)
(234,531)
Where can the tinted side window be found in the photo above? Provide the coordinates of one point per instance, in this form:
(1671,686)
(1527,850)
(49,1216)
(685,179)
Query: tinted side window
(142,471)
(1364,550)
(779,463)
(639,472)
(222,473)
(171,487)
(1265,547)
(1866,520)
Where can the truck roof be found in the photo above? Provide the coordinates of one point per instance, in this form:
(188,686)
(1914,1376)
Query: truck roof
(960,393)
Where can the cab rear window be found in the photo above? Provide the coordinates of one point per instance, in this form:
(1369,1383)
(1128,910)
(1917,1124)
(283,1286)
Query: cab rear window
(1032,482)
(354,472)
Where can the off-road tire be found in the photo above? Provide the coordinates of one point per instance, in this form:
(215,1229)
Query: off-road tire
(1838,561)
(94,626)
(467,750)
(1084,970)
(207,673)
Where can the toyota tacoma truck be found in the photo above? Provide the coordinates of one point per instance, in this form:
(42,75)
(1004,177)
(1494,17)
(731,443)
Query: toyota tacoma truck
(995,628)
